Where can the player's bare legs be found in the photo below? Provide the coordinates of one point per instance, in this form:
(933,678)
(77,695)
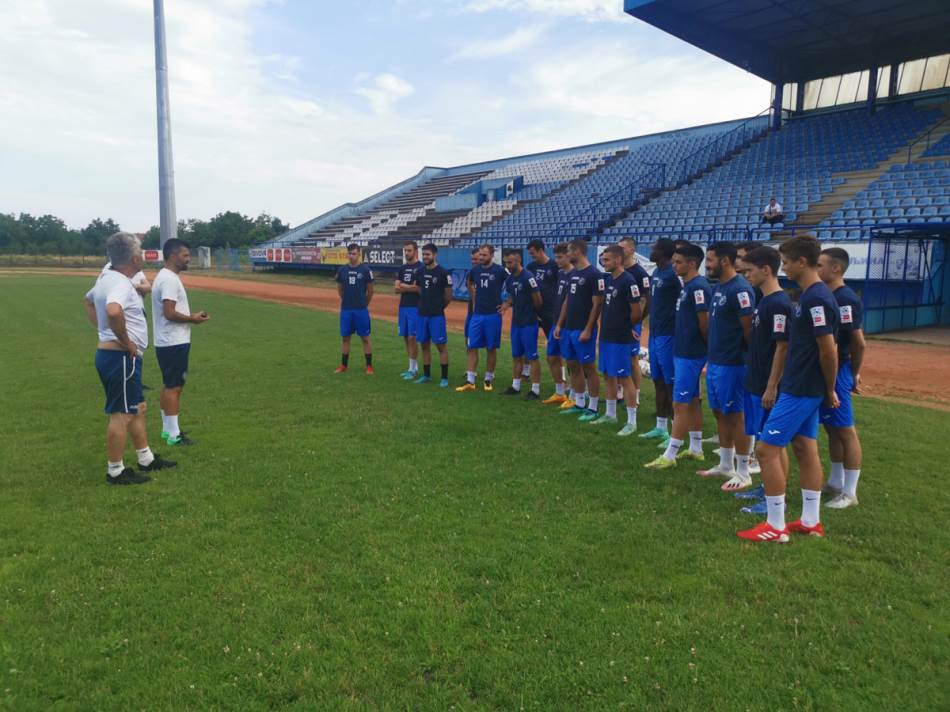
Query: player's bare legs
(844,448)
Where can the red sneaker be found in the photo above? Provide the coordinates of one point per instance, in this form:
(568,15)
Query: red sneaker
(800,528)
(765,532)
(340,369)
(370,371)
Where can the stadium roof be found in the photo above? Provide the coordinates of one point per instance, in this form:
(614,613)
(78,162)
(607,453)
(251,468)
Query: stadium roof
(798,40)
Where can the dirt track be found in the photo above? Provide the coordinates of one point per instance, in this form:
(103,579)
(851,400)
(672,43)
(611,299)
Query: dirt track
(911,373)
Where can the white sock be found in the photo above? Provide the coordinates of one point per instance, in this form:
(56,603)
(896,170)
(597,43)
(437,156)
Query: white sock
(851,482)
(536,388)
(662,423)
(696,441)
(593,402)
(413,365)
(115,468)
(631,414)
(811,504)
(611,408)
(636,397)
(145,456)
(164,422)
(580,399)
(516,383)
(564,374)
(489,376)
(526,371)
(836,479)
(776,512)
(727,456)
(743,469)
(172,429)
(559,388)
(470,377)
(672,448)
(619,392)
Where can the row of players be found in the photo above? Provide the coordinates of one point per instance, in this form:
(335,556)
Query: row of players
(773,368)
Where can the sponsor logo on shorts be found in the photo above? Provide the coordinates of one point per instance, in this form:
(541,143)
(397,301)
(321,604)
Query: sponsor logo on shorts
(774,432)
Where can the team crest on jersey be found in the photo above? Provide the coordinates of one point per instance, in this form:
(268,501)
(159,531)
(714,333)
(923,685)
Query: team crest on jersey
(718,300)
(778,323)
(818,316)
(846,316)
(699,296)
(744,301)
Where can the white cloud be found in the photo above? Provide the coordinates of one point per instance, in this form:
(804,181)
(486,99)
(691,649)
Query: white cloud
(385,90)
(592,10)
(520,39)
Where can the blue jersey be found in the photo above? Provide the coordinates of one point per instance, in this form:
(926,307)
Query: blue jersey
(563,278)
(850,318)
(547,276)
(520,288)
(354,281)
(409,274)
(432,285)
(640,276)
(619,293)
(816,314)
(489,283)
(582,286)
(770,324)
(687,341)
(731,301)
(665,288)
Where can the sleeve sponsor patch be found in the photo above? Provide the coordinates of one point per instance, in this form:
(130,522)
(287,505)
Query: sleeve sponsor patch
(533,282)
(744,300)
(370,273)
(818,316)
(646,282)
(847,317)
(600,285)
(634,291)
(448,280)
(778,323)
(699,296)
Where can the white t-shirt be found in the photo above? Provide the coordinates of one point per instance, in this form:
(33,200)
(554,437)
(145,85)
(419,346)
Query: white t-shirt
(138,279)
(773,209)
(115,288)
(168,285)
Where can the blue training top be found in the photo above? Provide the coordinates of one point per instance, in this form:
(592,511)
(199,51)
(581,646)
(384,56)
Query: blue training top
(354,281)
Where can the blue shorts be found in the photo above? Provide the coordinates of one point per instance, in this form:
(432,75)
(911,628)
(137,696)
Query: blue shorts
(407,321)
(484,331)
(661,359)
(573,349)
(554,345)
(724,387)
(635,346)
(121,378)
(755,414)
(354,321)
(792,416)
(843,415)
(468,323)
(614,359)
(173,361)
(431,328)
(524,342)
(688,373)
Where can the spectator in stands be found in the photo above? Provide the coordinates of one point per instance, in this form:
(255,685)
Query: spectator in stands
(773,212)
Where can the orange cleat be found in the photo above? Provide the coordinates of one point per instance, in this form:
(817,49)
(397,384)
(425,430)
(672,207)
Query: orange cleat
(340,369)
(554,399)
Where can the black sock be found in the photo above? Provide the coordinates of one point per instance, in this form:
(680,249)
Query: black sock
(445,370)
(426,370)
(369,359)
(346,359)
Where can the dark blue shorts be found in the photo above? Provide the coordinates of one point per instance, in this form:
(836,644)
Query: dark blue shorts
(635,346)
(688,373)
(792,416)
(484,331)
(468,323)
(661,359)
(121,377)
(407,321)
(573,349)
(554,346)
(524,342)
(354,321)
(614,359)
(173,361)
(843,415)
(755,414)
(431,328)
(724,387)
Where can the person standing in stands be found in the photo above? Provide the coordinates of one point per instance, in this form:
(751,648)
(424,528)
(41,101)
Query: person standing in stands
(354,284)
(632,265)
(577,330)
(485,284)
(807,381)
(689,358)
(435,294)
(524,299)
(772,213)
(621,313)
(545,271)
(171,323)
(730,327)
(407,287)
(844,445)
(665,286)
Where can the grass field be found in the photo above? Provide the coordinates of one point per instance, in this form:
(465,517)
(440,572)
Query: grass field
(362,543)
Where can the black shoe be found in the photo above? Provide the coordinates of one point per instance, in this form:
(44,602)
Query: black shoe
(531,395)
(128,477)
(510,392)
(181,440)
(157,464)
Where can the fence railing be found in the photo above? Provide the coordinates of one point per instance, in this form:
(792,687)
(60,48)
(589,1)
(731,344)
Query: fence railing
(926,137)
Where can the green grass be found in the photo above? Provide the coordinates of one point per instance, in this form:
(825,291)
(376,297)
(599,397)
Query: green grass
(362,543)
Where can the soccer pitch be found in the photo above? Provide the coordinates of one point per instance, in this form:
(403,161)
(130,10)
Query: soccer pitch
(361,542)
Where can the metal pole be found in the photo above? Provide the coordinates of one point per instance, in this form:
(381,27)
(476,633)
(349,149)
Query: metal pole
(166,169)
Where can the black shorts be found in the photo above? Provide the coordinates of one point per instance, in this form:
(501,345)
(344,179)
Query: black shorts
(173,361)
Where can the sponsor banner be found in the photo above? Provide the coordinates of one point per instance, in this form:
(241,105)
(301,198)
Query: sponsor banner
(333,256)
(307,255)
(279,254)
(257,253)
(152,256)
(376,256)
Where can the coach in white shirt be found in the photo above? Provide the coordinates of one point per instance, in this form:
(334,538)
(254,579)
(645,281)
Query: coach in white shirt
(115,308)
(171,321)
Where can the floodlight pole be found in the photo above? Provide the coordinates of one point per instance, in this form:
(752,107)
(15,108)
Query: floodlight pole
(166,168)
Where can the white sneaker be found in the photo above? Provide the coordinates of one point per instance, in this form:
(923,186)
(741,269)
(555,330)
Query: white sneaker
(714,438)
(717,472)
(736,484)
(754,467)
(842,501)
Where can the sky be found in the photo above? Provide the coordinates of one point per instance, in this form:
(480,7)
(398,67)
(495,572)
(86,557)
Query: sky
(294,107)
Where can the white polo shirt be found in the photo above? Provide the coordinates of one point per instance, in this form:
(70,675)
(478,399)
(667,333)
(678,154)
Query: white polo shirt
(167,285)
(773,210)
(115,288)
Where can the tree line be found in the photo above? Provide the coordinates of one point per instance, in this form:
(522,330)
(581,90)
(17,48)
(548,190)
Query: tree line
(48,234)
